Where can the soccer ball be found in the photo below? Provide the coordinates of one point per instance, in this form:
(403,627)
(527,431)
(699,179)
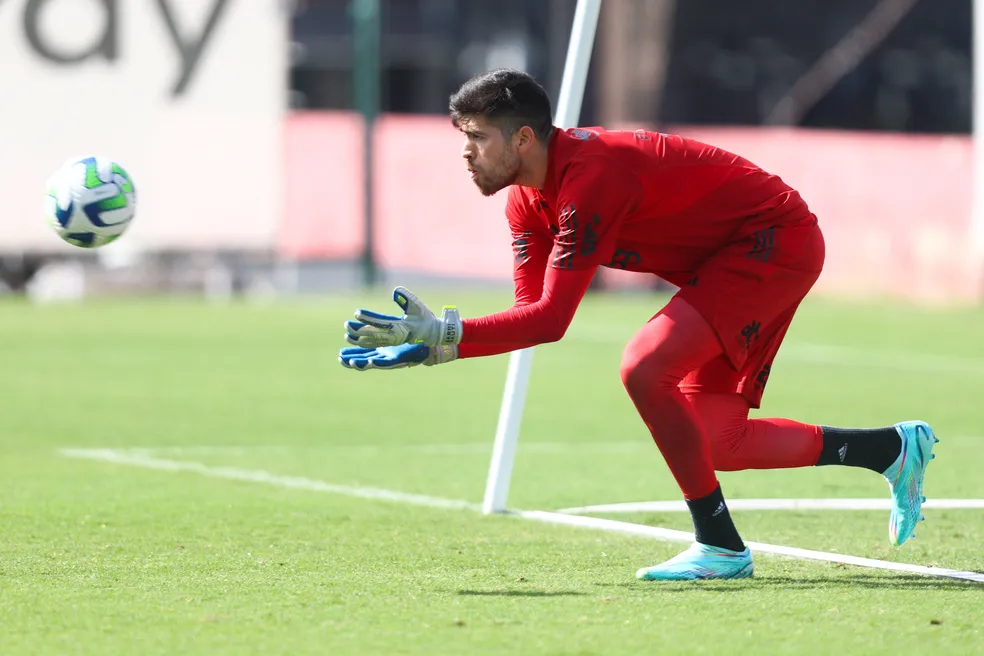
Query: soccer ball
(90,202)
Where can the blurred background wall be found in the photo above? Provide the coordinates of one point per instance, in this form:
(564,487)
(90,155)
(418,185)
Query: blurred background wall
(701,62)
(259,171)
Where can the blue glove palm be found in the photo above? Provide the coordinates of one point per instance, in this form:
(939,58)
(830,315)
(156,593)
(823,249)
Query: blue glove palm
(396,357)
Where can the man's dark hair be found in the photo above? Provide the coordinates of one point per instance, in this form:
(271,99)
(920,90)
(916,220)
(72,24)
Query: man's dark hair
(506,98)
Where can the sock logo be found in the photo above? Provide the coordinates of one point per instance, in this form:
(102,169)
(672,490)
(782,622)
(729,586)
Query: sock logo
(842,452)
(720,509)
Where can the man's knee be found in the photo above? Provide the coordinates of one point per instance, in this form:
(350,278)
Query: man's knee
(646,369)
(675,342)
(726,449)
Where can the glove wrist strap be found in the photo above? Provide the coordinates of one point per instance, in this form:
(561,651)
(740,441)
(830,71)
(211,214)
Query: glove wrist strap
(441,354)
(450,326)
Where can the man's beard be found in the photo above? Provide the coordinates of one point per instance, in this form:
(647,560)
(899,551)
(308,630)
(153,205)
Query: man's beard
(506,176)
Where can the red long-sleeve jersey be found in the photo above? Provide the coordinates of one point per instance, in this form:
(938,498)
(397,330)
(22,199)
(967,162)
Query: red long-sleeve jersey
(640,201)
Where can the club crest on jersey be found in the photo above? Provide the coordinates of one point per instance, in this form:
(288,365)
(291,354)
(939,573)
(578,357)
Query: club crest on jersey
(582,134)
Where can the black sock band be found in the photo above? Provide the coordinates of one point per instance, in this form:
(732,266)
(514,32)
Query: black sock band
(871,448)
(712,522)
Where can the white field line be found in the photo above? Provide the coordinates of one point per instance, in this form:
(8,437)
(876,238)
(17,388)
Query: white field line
(758,547)
(138,459)
(772,504)
(124,457)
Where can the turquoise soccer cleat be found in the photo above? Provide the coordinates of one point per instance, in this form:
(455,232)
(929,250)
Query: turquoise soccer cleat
(905,479)
(701,561)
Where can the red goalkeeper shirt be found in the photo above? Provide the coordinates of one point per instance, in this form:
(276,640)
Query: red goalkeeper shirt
(640,201)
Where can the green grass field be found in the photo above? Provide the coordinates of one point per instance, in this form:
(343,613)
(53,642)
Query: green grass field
(237,527)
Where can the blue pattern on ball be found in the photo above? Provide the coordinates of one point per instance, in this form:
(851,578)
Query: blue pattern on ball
(83,239)
(64,215)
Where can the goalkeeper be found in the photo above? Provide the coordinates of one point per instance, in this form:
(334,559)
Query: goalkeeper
(743,248)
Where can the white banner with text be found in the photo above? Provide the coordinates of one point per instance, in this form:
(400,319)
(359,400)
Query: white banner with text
(188,95)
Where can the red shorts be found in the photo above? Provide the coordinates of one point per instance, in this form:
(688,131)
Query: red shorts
(749,293)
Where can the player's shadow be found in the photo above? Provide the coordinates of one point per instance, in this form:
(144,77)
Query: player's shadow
(520,593)
(861,580)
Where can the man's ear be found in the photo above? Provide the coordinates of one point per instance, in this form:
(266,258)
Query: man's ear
(524,138)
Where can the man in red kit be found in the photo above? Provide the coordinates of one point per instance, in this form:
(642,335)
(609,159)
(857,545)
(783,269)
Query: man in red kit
(741,245)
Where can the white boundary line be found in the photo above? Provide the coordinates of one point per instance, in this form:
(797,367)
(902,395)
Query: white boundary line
(772,504)
(139,458)
(794,552)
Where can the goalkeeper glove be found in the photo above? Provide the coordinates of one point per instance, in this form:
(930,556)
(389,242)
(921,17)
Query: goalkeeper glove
(396,357)
(418,325)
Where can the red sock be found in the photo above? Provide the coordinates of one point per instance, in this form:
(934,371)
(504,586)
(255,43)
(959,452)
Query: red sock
(675,342)
(738,442)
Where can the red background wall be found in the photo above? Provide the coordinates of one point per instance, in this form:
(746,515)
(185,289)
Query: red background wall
(895,209)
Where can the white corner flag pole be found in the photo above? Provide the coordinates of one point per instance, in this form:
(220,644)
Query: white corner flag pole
(977,135)
(513,399)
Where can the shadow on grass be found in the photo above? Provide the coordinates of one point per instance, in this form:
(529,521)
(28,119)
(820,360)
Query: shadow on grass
(869,581)
(519,593)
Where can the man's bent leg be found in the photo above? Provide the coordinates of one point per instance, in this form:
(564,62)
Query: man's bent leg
(900,453)
(739,443)
(675,342)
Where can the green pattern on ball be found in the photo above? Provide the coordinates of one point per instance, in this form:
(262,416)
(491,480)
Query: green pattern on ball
(117,202)
(92,179)
(128,183)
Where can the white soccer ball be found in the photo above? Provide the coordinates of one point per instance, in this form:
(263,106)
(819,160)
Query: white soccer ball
(90,201)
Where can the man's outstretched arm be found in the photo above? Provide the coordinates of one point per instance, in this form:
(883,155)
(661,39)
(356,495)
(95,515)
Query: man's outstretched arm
(390,342)
(545,320)
(541,322)
(529,322)
(595,200)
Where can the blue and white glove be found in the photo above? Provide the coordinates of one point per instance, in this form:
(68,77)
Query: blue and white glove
(418,325)
(396,357)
